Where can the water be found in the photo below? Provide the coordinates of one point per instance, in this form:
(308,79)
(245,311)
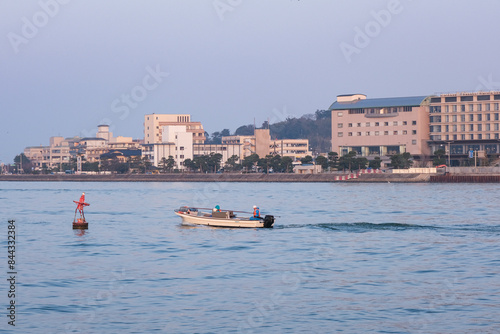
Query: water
(351,258)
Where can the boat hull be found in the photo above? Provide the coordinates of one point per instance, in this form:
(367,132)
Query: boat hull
(223,222)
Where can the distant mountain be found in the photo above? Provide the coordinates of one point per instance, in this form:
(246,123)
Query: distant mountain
(315,127)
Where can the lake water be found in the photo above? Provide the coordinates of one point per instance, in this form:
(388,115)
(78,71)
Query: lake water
(351,258)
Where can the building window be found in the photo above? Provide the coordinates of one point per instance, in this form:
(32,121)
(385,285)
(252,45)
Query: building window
(395,133)
(377,133)
(471,136)
(483,98)
(181,148)
(340,125)
(358,133)
(405,123)
(413,122)
(462,118)
(181,156)
(496,116)
(488,117)
(471,117)
(479,127)
(471,127)
(496,106)
(395,123)
(479,117)
(479,107)
(454,128)
(454,108)
(349,134)
(340,134)
(446,108)
(462,137)
(386,123)
(487,127)
(454,118)
(340,114)
(496,126)
(367,133)
(349,125)
(479,136)
(446,119)
(405,132)
(487,107)
(386,133)
(367,123)
(377,123)
(414,142)
(471,107)
(413,132)
(462,107)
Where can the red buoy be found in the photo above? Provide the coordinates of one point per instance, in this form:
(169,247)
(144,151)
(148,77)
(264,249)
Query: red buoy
(80,223)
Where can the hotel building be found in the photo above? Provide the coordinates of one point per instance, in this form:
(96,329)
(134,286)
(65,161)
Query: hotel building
(380,127)
(465,122)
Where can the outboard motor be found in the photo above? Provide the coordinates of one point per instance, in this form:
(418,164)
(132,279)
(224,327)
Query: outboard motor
(268,221)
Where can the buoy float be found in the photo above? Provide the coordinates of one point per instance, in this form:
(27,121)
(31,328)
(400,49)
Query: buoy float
(80,223)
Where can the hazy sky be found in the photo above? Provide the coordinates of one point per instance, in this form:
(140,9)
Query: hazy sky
(67,66)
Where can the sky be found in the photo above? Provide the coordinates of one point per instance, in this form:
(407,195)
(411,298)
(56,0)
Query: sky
(67,66)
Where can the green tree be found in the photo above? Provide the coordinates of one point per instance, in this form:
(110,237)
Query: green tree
(347,161)
(322,161)
(201,163)
(250,161)
(213,161)
(401,161)
(244,130)
(232,163)
(286,165)
(439,157)
(23,164)
(190,164)
(375,163)
(333,160)
(306,160)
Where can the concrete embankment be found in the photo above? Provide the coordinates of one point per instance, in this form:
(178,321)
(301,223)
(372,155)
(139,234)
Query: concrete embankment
(226,177)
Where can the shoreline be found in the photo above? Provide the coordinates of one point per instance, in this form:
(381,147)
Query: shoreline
(230,177)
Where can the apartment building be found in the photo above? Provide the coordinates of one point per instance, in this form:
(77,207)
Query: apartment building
(465,124)
(380,126)
(262,144)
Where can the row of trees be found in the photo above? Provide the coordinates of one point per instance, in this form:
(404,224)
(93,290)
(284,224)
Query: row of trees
(212,163)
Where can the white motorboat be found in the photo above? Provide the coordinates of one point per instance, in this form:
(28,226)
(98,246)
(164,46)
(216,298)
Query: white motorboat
(222,218)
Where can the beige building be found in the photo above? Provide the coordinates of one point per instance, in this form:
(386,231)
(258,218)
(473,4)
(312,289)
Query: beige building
(154,124)
(262,144)
(58,152)
(465,122)
(380,127)
(177,142)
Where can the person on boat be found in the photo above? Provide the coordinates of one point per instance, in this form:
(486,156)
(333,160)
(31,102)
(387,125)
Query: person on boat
(256,212)
(216,209)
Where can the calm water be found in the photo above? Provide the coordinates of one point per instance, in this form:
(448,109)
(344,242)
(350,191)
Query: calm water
(351,258)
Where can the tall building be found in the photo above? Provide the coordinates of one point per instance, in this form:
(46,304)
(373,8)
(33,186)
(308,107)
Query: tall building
(464,125)
(154,123)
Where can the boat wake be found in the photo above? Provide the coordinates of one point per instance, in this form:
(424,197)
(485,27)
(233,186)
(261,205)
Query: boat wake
(360,227)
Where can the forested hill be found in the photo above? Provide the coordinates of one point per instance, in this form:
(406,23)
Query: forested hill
(315,127)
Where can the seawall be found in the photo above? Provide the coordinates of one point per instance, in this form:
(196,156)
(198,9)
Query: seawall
(226,177)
